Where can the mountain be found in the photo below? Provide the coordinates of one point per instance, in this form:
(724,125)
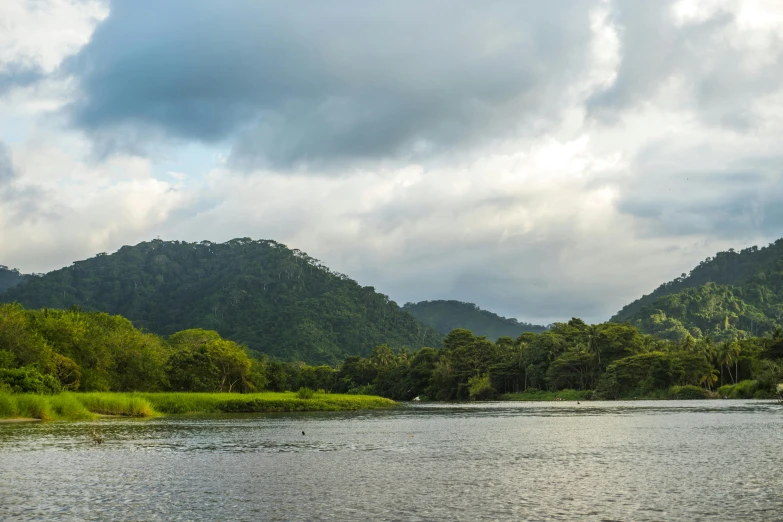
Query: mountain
(259,293)
(445,316)
(733,295)
(10,278)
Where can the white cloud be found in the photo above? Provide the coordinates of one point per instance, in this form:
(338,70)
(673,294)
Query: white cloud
(44,32)
(575,220)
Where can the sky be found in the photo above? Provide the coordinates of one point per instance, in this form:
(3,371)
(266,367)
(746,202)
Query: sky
(544,160)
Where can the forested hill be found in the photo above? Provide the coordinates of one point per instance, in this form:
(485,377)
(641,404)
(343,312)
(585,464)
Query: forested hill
(259,293)
(445,316)
(9,278)
(732,295)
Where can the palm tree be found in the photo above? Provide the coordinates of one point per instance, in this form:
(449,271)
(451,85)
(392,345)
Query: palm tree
(729,353)
(709,378)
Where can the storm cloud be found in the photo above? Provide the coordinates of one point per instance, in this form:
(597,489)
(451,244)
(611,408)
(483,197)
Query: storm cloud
(309,82)
(541,159)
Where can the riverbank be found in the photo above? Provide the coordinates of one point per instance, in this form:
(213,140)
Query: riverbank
(85,406)
(742,390)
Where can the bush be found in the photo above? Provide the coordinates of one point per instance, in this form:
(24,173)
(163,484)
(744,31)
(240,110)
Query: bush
(741,390)
(480,387)
(689,392)
(763,394)
(28,380)
(305,393)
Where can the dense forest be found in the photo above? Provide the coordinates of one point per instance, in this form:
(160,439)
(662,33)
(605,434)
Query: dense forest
(445,316)
(10,278)
(735,295)
(260,294)
(47,351)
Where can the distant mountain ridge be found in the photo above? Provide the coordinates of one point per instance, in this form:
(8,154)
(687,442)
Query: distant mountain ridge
(445,316)
(10,277)
(260,293)
(730,296)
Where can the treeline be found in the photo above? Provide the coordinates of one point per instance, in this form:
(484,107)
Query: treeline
(47,351)
(609,360)
(50,350)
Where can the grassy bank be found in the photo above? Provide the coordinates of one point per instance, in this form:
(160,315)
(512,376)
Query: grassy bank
(81,406)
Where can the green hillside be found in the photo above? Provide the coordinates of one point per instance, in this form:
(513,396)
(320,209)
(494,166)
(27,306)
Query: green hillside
(9,278)
(259,293)
(445,316)
(734,295)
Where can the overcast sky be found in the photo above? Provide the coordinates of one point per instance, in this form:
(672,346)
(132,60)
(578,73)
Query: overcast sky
(541,159)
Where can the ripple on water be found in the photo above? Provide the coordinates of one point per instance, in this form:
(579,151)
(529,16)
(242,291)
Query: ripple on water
(601,461)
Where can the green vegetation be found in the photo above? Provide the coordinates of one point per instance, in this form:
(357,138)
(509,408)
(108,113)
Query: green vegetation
(84,406)
(10,278)
(172,403)
(260,294)
(571,361)
(733,296)
(47,352)
(445,316)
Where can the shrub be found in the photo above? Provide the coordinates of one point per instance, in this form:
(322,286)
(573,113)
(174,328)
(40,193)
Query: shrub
(480,387)
(305,393)
(28,380)
(689,392)
(741,390)
(763,394)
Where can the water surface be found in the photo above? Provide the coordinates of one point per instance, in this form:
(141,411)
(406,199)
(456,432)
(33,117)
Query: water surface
(646,460)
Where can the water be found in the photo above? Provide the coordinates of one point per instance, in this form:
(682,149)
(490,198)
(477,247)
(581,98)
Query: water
(690,460)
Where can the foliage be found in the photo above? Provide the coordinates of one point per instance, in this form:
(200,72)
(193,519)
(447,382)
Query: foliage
(259,294)
(129,405)
(28,380)
(83,406)
(445,316)
(10,278)
(742,390)
(733,296)
(480,387)
(45,351)
(571,361)
(688,392)
(305,393)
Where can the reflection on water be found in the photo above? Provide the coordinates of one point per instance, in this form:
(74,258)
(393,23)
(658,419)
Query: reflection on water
(689,460)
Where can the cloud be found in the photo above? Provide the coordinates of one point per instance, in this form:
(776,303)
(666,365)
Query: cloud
(6,166)
(19,75)
(711,58)
(544,160)
(302,83)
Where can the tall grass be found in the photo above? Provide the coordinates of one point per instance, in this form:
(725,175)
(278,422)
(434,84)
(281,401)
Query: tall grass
(124,404)
(82,406)
(261,402)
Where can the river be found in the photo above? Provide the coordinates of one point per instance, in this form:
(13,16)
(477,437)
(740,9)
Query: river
(646,460)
